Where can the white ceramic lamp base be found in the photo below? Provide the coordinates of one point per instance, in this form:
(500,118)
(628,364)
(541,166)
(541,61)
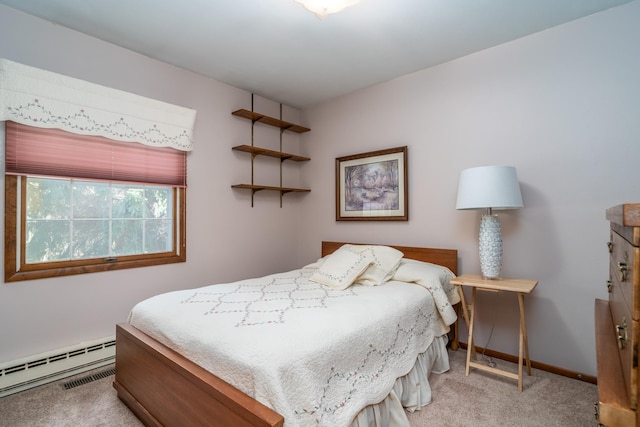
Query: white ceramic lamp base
(490,247)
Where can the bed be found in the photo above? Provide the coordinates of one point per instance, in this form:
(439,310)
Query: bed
(165,387)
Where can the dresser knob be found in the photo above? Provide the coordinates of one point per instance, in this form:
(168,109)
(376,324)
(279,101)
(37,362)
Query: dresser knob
(609,286)
(622,266)
(610,246)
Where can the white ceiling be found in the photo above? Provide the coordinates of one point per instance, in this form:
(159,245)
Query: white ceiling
(279,50)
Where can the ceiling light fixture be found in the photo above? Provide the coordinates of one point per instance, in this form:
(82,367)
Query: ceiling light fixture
(322,8)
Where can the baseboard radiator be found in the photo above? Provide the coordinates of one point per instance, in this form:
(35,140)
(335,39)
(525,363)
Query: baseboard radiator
(22,374)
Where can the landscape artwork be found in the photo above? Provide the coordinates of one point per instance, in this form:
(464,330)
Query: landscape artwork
(372,186)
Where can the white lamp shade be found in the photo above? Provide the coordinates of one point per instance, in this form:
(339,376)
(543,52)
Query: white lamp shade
(485,187)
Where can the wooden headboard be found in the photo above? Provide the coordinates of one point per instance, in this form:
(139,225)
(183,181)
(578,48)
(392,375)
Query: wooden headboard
(445,257)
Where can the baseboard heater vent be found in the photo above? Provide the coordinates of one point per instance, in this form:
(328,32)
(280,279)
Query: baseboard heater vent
(88,379)
(26,373)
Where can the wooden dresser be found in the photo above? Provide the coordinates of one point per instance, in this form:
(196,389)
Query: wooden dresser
(618,322)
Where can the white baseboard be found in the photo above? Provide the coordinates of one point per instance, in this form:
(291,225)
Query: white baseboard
(33,371)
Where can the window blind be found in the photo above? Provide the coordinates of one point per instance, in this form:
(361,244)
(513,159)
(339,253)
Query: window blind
(41,98)
(57,153)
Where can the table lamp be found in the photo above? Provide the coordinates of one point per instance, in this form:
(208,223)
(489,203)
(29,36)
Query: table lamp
(490,188)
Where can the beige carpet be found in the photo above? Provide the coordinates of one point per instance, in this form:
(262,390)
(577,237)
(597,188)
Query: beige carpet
(485,399)
(481,399)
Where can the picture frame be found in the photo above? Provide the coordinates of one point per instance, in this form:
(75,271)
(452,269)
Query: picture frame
(373,186)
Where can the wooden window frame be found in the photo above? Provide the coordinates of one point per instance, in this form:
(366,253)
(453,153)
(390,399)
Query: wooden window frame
(16,270)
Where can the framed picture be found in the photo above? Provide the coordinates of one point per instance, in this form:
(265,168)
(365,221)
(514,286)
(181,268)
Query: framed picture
(372,186)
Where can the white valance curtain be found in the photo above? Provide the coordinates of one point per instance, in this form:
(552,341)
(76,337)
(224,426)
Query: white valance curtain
(40,98)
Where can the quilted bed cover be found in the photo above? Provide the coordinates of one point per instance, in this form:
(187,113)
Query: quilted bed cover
(316,355)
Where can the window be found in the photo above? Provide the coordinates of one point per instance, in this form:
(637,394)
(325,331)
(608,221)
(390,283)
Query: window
(95,177)
(67,219)
(92,209)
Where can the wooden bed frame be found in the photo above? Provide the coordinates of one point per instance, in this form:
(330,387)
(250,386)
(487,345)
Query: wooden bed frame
(164,389)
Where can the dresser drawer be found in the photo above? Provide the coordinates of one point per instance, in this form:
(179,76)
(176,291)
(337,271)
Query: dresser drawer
(624,275)
(613,400)
(626,330)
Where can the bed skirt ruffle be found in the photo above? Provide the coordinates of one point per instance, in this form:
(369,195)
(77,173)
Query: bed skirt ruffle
(410,392)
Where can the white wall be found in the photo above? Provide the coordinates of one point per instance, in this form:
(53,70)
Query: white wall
(223,231)
(563,106)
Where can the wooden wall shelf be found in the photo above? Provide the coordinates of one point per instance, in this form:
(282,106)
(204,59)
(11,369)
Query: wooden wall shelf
(267,187)
(270,153)
(271,121)
(259,151)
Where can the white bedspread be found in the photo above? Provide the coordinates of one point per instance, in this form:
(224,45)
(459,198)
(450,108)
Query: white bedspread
(315,355)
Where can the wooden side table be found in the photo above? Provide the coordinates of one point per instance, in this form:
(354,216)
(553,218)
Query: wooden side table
(521,287)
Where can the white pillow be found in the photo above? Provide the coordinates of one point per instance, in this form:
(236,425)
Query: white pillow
(435,272)
(385,262)
(340,269)
(411,270)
